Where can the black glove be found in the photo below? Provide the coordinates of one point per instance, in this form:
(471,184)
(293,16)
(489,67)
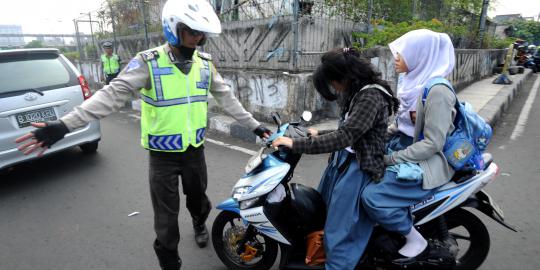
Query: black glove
(261,130)
(53,132)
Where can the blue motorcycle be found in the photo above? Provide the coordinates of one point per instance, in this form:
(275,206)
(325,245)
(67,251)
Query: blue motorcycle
(267,213)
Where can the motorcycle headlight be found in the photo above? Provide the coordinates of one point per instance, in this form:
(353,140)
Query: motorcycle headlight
(239,191)
(248,203)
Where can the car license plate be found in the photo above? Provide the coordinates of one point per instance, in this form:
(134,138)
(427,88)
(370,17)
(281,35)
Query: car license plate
(46,114)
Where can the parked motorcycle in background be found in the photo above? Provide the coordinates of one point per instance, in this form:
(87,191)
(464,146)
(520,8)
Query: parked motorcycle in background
(528,58)
(267,213)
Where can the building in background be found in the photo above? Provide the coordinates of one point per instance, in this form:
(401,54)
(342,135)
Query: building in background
(11,42)
(507,18)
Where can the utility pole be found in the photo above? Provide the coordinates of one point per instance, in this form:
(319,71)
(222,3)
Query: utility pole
(145,24)
(115,45)
(414,9)
(482,26)
(77,38)
(296,20)
(370,14)
(92,33)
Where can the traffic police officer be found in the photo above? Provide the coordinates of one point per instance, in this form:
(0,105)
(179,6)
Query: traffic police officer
(173,81)
(110,62)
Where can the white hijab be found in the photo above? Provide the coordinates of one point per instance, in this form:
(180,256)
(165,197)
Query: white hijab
(427,54)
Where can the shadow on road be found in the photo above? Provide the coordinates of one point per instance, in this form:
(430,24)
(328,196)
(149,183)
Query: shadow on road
(47,169)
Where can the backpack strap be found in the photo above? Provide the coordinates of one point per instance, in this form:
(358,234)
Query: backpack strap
(430,83)
(436,81)
(382,89)
(369,86)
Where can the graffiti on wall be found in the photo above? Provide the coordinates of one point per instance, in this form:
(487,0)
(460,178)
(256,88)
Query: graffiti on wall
(262,90)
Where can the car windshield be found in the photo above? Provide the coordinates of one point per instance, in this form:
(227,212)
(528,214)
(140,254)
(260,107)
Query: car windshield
(32,71)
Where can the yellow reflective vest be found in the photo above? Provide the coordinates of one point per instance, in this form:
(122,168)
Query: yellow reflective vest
(174,110)
(111,65)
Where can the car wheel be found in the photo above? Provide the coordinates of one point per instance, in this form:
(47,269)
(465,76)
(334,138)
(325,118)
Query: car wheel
(89,148)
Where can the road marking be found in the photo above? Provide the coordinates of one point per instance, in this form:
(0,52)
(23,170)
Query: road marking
(524,115)
(136,116)
(233,147)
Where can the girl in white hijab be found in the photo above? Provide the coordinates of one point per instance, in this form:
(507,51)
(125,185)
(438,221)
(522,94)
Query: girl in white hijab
(427,55)
(422,55)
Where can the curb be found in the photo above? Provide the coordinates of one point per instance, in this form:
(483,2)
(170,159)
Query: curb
(499,104)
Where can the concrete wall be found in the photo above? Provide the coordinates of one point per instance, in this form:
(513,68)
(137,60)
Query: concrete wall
(263,92)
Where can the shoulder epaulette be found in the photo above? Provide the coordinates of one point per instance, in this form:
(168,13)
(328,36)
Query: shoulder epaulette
(205,56)
(150,55)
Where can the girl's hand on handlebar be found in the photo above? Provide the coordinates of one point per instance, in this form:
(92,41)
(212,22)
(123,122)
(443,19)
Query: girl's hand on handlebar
(282,141)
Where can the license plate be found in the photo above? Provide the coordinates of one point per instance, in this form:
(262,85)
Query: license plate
(46,114)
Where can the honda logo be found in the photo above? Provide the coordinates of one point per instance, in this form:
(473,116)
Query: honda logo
(30,96)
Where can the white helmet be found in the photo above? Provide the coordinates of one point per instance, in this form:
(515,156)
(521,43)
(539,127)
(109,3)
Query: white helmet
(196,14)
(532,47)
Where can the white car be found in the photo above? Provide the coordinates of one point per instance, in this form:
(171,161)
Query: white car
(40,85)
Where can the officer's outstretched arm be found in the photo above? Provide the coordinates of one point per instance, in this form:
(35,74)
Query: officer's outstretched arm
(112,97)
(226,99)
(104,102)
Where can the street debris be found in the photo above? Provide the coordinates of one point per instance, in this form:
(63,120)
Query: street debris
(133,214)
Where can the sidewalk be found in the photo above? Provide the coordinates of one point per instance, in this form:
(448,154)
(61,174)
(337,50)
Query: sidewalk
(490,100)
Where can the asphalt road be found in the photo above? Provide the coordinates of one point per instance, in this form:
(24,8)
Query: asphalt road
(70,211)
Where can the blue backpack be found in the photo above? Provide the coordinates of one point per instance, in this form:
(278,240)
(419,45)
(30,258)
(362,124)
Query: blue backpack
(464,146)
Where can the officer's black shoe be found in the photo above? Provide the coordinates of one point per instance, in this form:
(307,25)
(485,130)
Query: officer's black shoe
(201,235)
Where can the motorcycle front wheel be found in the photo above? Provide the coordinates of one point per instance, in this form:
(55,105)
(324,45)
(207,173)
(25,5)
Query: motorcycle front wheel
(259,253)
(472,238)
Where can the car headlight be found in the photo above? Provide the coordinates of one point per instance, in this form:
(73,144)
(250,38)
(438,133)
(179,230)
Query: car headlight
(239,191)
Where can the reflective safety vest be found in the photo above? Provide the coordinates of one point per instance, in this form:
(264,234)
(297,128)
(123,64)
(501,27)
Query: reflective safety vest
(174,110)
(111,65)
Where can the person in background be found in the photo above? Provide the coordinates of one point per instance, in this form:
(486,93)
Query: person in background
(110,62)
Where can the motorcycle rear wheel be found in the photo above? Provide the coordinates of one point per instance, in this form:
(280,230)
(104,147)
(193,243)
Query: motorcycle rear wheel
(227,230)
(471,256)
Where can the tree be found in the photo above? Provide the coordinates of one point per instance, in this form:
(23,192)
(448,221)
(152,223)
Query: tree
(34,44)
(127,16)
(527,30)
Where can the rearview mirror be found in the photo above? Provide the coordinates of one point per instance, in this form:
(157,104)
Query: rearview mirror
(306,116)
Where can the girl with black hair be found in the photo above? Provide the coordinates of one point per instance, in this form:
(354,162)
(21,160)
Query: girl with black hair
(357,147)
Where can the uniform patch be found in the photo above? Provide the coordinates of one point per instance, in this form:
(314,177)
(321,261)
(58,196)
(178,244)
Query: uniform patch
(133,64)
(205,56)
(150,55)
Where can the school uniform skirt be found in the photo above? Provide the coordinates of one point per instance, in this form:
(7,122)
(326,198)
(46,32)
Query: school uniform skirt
(348,227)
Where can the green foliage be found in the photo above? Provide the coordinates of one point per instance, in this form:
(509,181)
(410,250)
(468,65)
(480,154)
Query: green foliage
(385,32)
(494,42)
(34,44)
(72,56)
(91,51)
(527,30)
(396,11)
